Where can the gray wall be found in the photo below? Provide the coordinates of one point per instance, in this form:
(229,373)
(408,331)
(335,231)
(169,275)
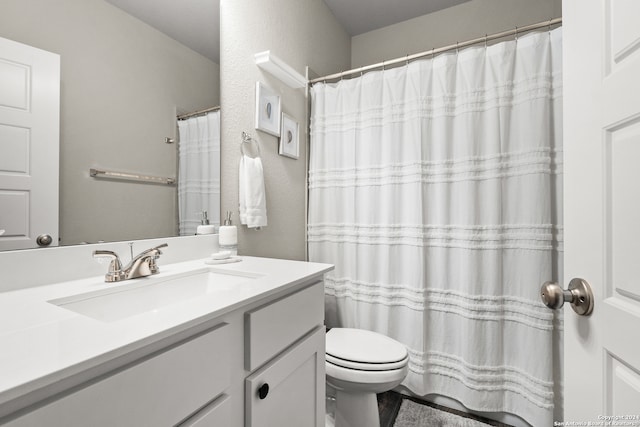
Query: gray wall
(122,82)
(300,32)
(455,24)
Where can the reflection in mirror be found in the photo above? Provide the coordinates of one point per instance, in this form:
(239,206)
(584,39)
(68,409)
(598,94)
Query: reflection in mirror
(199,168)
(122,83)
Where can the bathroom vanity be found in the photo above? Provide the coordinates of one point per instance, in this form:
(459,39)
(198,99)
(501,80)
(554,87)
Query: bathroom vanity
(195,345)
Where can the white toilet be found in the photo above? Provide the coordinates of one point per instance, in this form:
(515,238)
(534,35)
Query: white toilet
(359,364)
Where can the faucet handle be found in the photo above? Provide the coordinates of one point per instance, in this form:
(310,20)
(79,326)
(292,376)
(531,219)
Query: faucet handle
(164,245)
(155,251)
(153,265)
(115,272)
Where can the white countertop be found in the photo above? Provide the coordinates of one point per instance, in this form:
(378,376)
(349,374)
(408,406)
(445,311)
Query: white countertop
(41,343)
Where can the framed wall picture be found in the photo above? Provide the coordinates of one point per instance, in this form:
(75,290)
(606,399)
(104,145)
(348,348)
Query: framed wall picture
(289,137)
(267,110)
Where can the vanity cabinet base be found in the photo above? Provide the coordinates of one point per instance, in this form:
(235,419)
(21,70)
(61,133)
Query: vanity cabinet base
(260,365)
(162,389)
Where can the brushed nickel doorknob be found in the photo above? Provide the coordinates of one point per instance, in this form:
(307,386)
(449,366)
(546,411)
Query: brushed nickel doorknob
(578,293)
(44,240)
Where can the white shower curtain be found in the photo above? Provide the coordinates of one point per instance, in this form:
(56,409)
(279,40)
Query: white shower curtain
(435,189)
(199,171)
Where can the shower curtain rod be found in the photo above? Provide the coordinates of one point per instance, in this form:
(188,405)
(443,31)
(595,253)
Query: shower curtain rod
(486,38)
(197,113)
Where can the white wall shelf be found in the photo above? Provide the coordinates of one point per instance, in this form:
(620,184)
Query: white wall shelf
(276,66)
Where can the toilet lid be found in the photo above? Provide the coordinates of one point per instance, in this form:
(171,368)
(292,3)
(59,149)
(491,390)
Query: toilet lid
(363,347)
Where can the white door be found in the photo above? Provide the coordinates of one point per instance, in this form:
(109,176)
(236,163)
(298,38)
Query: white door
(602,208)
(29,145)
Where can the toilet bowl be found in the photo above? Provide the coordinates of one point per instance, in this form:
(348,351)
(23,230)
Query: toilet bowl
(359,364)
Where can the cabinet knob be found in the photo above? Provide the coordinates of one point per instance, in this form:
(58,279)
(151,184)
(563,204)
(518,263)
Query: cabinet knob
(263,390)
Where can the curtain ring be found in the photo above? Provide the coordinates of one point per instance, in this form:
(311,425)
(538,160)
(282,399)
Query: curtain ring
(383,65)
(457,51)
(341,75)
(485,40)
(516,33)
(407,59)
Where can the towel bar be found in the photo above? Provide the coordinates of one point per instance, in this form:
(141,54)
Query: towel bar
(96,173)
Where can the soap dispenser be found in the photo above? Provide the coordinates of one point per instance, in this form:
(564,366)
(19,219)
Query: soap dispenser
(228,236)
(205,227)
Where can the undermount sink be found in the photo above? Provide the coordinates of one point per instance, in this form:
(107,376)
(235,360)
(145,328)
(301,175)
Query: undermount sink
(152,293)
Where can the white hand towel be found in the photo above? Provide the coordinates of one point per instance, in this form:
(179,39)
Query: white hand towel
(253,202)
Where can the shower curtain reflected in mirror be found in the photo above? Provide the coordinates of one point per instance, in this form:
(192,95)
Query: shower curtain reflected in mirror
(198,171)
(436,190)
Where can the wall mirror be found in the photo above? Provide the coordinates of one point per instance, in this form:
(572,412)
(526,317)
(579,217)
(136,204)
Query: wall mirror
(122,84)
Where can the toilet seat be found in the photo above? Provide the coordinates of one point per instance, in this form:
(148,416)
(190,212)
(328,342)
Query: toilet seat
(360,366)
(364,350)
(356,376)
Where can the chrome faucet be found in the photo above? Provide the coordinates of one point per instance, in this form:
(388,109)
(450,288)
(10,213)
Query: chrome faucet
(142,265)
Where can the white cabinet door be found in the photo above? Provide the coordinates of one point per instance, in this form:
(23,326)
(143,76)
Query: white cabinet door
(289,391)
(29,144)
(602,201)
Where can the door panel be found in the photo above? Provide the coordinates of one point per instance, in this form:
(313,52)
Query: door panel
(622,33)
(15,84)
(602,205)
(14,211)
(624,387)
(29,144)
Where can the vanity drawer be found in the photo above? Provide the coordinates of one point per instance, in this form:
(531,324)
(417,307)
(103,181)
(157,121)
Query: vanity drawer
(275,326)
(159,390)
